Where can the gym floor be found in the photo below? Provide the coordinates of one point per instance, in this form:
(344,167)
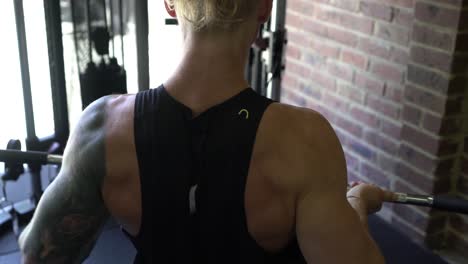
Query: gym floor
(114,247)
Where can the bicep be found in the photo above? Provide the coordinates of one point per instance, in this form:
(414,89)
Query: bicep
(66,223)
(329,231)
(71,211)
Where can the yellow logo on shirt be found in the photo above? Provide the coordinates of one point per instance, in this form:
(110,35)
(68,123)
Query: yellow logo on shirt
(247,114)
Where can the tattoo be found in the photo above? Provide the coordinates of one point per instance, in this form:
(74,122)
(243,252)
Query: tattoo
(71,212)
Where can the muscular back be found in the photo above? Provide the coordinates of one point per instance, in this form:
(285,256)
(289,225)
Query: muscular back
(271,191)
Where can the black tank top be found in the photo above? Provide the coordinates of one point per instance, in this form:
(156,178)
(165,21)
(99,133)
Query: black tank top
(193,174)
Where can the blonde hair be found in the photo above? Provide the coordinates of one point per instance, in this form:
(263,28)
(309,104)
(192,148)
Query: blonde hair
(213,14)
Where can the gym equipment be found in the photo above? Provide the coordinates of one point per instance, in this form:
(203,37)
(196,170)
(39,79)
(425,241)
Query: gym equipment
(106,77)
(440,202)
(10,211)
(266,59)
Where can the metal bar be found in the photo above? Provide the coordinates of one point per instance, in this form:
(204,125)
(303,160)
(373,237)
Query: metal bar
(57,70)
(104,7)
(142,31)
(88,19)
(111,6)
(27,157)
(75,33)
(122,32)
(24,63)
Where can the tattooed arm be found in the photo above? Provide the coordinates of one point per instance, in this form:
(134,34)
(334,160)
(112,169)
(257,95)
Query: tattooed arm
(71,213)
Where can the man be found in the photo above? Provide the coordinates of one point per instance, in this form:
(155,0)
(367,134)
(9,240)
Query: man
(203,170)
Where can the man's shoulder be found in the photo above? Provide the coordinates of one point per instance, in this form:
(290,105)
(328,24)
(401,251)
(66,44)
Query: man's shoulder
(297,123)
(305,147)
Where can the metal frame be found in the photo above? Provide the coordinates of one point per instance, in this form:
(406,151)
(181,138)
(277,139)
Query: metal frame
(278,29)
(266,61)
(142,32)
(57,70)
(24,64)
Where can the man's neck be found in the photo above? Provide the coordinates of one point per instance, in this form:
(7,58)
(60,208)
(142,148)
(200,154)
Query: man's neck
(211,70)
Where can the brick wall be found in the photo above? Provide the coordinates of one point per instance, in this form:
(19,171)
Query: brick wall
(391,77)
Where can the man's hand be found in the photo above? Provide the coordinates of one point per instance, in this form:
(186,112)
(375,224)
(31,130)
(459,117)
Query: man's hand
(371,195)
(367,199)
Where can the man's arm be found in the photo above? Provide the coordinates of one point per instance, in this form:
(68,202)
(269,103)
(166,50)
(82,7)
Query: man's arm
(327,227)
(71,212)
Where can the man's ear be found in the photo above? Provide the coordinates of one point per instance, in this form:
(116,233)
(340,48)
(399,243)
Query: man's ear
(170,9)
(264,10)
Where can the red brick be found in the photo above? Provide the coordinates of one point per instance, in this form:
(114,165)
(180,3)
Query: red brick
(431,144)
(393,33)
(403,186)
(424,162)
(355,59)
(293,52)
(334,102)
(297,38)
(311,90)
(345,19)
(294,20)
(394,93)
(345,4)
(432,58)
(411,115)
(393,130)
(430,79)
(365,117)
(362,150)
(304,7)
(371,85)
(388,109)
(325,49)
(314,60)
(442,126)
(294,98)
(419,180)
(349,126)
(323,80)
(297,69)
(400,3)
(381,142)
(434,38)
(387,164)
(374,175)
(343,37)
(340,71)
(425,99)
(437,15)
(377,10)
(374,47)
(352,93)
(403,17)
(399,55)
(388,72)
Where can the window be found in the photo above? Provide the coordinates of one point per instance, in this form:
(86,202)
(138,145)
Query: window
(165,44)
(36,36)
